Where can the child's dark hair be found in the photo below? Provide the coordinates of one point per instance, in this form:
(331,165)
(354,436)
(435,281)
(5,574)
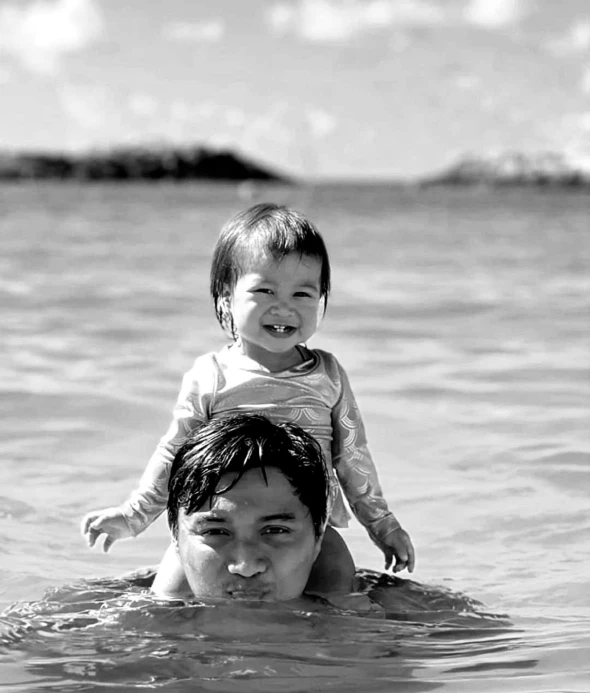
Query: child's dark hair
(263,228)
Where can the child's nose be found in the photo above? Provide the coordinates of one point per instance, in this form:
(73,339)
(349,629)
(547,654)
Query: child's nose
(282,306)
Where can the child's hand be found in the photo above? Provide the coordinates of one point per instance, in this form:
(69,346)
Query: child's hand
(110,521)
(398,545)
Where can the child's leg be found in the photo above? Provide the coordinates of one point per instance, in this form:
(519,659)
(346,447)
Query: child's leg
(170,581)
(333,570)
(332,577)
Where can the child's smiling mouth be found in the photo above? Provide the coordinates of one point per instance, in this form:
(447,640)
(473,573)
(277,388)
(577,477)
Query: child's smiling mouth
(280,330)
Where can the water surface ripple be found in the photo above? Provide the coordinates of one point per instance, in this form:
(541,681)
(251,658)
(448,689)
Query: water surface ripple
(462,319)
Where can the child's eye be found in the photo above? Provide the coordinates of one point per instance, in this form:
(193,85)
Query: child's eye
(304,294)
(215,532)
(262,291)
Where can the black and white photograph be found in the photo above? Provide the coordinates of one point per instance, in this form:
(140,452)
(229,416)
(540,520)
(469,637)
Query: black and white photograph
(295,346)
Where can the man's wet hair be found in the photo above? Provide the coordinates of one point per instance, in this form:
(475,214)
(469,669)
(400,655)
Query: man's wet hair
(236,444)
(264,229)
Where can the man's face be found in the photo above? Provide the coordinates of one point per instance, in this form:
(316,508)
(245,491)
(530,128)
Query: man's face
(256,541)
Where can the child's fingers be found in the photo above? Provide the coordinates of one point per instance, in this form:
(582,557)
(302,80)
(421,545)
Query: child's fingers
(401,561)
(399,565)
(108,542)
(389,556)
(91,537)
(94,531)
(87,520)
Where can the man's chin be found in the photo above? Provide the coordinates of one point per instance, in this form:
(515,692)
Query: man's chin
(251,595)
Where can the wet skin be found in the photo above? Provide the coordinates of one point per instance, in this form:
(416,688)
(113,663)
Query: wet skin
(254,542)
(275,307)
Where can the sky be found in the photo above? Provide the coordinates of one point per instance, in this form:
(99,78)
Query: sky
(318,88)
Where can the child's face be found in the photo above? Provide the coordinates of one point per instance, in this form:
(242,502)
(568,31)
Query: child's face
(274,306)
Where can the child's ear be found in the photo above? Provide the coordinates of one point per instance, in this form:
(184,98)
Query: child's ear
(226,298)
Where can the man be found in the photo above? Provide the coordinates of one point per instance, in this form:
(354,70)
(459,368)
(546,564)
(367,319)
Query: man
(247,509)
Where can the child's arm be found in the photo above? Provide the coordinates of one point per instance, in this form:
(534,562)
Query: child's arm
(358,477)
(147,502)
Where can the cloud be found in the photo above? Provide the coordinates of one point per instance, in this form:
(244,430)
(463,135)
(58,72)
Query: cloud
(321,123)
(195,32)
(334,21)
(495,14)
(270,125)
(142,105)
(575,40)
(235,117)
(39,34)
(189,113)
(338,20)
(5,75)
(182,119)
(571,135)
(467,82)
(86,106)
(585,83)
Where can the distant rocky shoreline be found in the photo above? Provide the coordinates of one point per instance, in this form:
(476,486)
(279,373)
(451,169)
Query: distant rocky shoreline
(190,163)
(135,163)
(544,169)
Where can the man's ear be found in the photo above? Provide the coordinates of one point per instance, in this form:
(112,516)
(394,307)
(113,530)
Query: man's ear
(318,545)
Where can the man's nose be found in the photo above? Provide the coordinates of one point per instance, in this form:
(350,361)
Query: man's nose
(247,560)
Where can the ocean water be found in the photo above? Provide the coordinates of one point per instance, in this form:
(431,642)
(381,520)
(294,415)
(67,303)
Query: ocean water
(462,317)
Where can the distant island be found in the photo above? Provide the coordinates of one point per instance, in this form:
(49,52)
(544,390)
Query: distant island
(141,163)
(553,169)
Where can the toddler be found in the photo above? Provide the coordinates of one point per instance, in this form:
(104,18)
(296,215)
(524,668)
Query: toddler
(270,281)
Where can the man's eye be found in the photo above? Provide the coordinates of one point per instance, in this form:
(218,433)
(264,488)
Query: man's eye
(276,530)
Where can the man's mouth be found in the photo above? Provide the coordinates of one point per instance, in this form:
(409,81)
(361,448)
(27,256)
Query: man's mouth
(251,593)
